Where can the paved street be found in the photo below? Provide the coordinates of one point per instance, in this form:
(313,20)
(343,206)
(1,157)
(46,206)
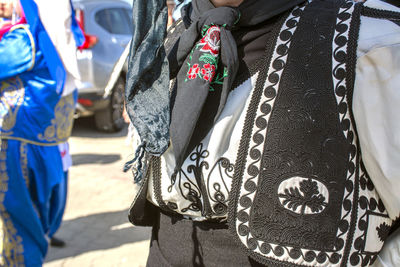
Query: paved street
(95,226)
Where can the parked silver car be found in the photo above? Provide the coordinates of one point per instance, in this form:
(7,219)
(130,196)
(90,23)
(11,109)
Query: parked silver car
(102,60)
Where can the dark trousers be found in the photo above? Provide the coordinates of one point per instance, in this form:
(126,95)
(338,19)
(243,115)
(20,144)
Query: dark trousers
(180,242)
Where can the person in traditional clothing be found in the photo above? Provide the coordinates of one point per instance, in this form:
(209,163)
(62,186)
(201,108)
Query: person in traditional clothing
(37,99)
(268,132)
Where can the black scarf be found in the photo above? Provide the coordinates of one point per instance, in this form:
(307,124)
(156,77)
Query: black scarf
(203,57)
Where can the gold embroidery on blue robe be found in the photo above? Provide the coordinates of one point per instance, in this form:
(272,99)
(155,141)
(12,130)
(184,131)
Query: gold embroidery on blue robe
(61,126)
(24,162)
(11,249)
(12,92)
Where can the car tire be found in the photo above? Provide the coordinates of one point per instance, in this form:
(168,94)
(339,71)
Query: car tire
(110,119)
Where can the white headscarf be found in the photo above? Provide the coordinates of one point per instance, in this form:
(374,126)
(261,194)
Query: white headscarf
(56,18)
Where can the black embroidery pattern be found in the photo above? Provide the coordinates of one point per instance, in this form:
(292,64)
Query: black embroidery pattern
(381,14)
(208,196)
(303,116)
(383,231)
(196,187)
(244,203)
(155,164)
(307,195)
(370,208)
(340,57)
(367,206)
(347,248)
(225,169)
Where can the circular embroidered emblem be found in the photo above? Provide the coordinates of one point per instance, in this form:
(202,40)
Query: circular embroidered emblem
(303,195)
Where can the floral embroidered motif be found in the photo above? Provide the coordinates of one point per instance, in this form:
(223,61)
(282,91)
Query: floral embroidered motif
(306,195)
(193,71)
(208,71)
(211,41)
(383,231)
(208,47)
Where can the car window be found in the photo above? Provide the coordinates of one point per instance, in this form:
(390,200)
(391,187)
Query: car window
(128,12)
(114,20)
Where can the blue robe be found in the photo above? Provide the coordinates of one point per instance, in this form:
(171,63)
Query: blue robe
(34,119)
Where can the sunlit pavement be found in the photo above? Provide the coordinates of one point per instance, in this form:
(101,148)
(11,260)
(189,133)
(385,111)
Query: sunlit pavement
(95,227)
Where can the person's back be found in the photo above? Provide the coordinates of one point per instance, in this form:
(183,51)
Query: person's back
(299,165)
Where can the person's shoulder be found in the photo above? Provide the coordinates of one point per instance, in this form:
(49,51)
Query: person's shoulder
(379,26)
(21,31)
(21,28)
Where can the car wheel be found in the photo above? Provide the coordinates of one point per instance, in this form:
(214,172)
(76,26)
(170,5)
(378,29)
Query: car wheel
(110,119)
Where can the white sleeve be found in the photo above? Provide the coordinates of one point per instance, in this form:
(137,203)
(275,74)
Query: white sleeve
(390,253)
(56,19)
(376,107)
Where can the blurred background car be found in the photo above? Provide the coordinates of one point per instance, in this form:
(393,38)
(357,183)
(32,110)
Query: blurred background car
(102,60)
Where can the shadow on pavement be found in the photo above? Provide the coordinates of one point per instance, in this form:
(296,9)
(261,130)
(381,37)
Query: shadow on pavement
(96,232)
(80,159)
(85,127)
